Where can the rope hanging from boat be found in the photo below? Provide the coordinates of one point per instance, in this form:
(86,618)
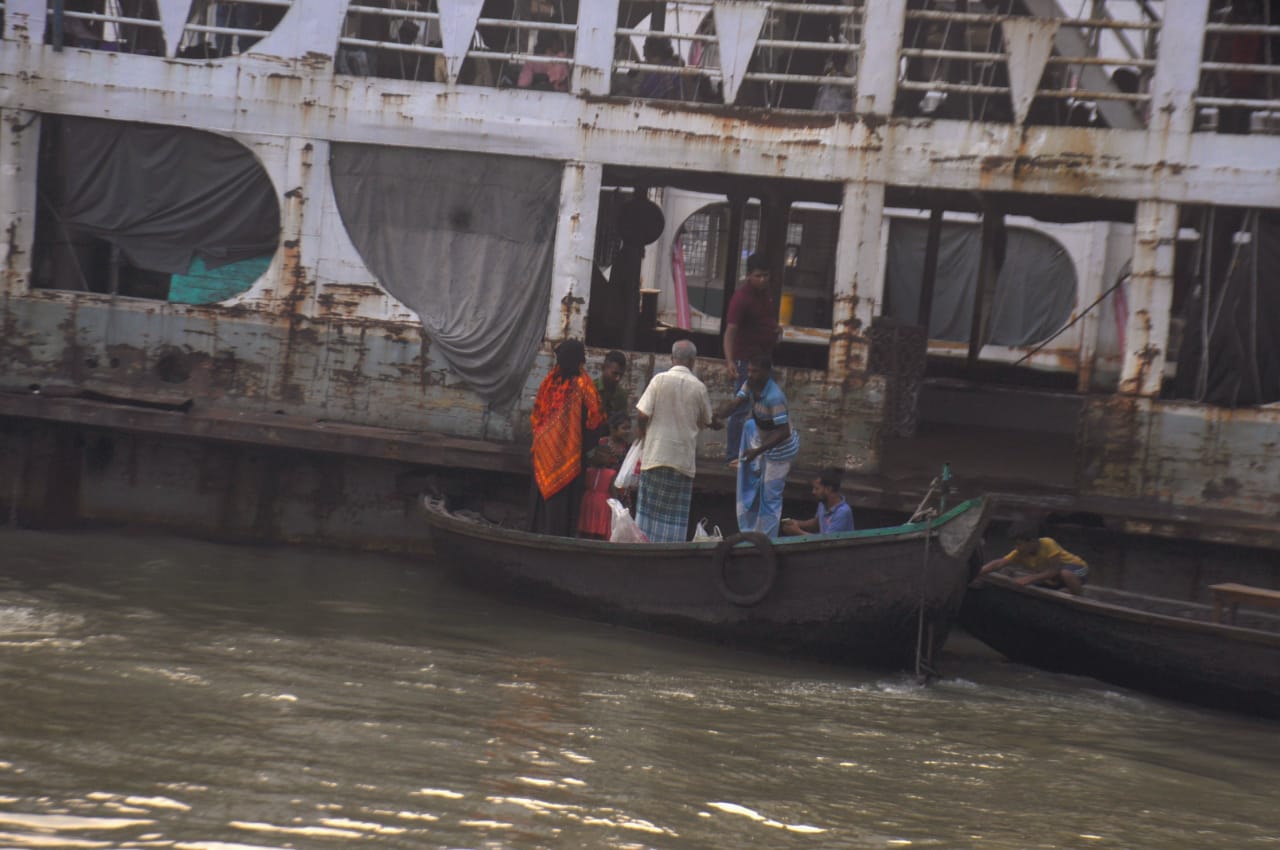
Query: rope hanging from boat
(922,510)
(923,668)
(939,486)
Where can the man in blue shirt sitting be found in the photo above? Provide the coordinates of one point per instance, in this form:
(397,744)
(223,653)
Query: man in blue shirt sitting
(833,513)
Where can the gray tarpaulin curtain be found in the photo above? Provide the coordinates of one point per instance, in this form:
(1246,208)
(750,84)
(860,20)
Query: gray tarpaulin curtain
(163,195)
(1035,292)
(464,240)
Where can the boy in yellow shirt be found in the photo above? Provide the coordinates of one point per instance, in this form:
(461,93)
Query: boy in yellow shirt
(1050,564)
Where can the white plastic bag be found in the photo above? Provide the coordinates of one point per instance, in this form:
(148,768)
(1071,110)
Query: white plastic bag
(701,533)
(624,528)
(628,477)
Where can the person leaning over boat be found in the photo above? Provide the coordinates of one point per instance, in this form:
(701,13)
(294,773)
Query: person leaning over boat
(566,409)
(834,514)
(1050,564)
(673,408)
(766,450)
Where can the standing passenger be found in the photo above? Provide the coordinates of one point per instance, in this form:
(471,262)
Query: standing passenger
(565,408)
(674,407)
(751,328)
(613,395)
(541,74)
(668,85)
(768,445)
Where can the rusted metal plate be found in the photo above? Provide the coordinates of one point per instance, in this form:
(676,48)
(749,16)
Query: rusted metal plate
(1191,458)
(269,430)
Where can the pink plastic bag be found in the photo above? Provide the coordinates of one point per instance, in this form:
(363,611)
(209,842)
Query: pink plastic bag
(624,528)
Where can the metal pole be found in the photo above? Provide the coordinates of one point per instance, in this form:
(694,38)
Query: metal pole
(1208,232)
(924,310)
(1255,378)
(59,7)
(988,272)
(737,208)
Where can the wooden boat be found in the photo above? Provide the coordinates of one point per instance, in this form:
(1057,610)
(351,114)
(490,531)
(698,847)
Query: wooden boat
(854,597)
(1162,646)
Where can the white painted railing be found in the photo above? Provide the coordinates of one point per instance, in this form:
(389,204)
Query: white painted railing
(213,30)
(959,65)
(404,41)
(1239,78)
(792,55)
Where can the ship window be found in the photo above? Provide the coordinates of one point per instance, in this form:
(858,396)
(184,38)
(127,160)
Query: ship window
(214,29)
(671,255)
(800,56)
(513,44)
(150,212)
(808,263)
(1035,291)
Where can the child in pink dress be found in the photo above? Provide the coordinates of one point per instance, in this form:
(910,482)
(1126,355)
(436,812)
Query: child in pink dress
(595,518)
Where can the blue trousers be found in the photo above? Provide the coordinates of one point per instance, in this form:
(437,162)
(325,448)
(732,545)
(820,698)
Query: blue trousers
(733,425)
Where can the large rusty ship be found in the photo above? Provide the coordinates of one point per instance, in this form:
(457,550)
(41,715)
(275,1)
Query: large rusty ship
(271,267)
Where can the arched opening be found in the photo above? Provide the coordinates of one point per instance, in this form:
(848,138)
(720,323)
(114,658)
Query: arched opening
(204,229)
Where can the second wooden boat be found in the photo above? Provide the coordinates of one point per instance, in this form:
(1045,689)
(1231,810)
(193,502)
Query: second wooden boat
(1162,646)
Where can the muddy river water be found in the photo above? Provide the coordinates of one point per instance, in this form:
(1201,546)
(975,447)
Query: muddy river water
(162,692)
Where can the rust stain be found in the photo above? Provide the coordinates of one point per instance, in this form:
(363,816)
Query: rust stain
(353,381)
(1219,491)
(315,61)
(848,339)
(873,122)
(570,306)
(297,290)
(729,116)
(423,360)
(14,250)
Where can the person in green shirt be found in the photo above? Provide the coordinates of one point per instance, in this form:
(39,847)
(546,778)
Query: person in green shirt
(609,385)
(1049,563)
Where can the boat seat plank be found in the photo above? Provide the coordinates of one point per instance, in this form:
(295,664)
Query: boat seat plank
(1233,595)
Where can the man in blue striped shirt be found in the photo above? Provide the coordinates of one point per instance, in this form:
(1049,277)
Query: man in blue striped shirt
(769,443)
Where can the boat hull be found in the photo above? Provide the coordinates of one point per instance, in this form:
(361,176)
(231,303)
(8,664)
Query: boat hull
(1178,657)
(850,598)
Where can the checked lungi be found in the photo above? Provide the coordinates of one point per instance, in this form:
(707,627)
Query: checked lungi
(662,507)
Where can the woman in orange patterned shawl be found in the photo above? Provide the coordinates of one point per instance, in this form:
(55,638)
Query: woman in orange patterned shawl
(566,408)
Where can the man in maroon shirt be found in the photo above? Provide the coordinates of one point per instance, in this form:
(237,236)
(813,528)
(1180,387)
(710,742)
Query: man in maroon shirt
(751,328)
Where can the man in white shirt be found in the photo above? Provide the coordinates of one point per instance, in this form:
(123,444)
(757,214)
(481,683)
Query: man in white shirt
(674,407)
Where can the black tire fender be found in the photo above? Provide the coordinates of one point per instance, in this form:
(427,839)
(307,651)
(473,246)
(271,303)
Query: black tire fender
(723,556)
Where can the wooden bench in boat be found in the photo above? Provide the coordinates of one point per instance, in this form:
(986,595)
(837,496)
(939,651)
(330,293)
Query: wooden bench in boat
(1233,594)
